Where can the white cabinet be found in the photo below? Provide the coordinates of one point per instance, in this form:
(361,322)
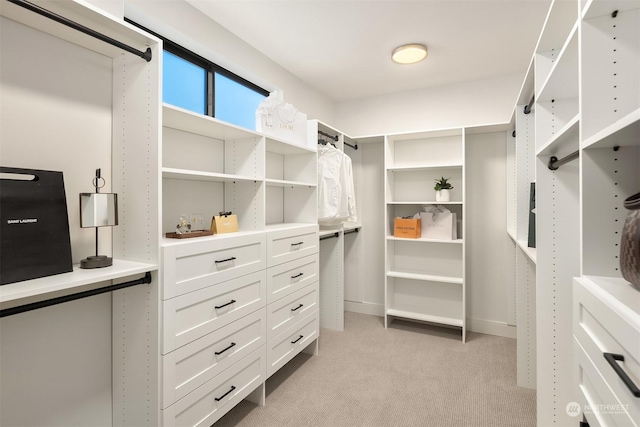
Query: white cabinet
(424,277)
(221,293)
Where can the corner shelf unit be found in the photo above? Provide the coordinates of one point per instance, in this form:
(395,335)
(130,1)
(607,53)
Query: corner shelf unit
(425,278)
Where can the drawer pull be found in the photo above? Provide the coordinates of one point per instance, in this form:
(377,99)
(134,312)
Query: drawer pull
(218,399)
(226,260)
(299,338)
(612,358)
(298,307)
(297,244)
(224,305)
(297,275)
(218,353)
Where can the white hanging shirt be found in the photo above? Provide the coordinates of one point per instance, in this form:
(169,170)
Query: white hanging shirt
(336,192)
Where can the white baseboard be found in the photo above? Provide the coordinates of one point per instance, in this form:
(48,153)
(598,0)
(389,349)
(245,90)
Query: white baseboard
(364,308)
(491,327)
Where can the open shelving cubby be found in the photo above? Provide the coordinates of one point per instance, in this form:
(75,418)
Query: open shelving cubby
(424,278)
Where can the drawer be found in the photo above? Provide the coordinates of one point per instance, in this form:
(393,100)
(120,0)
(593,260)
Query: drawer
(600,327)
(190,266)
(290,244)
(206,404)
(288,310)
(598,403)
(192,365)
(289,343)
(191,316)
(286,278)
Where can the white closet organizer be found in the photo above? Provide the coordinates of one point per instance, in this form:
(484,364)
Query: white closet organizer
(585,81)
(425,278)
(120,126)
(342,251)
(235,307)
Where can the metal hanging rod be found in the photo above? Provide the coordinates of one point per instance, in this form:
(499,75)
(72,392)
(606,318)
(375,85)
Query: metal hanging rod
(353,230)
(146,55)
(554,163)
(335,138)
(330,236)
(72,297)
(527,108)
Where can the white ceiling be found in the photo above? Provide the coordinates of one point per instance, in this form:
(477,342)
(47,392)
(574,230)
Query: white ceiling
(343,47)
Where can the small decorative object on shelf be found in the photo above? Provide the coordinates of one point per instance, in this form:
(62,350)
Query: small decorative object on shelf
(442,188)
(98,210)
(630,242)
(225,222)
(189,226)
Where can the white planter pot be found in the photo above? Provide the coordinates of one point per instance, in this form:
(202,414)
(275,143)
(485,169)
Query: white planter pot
(442,196)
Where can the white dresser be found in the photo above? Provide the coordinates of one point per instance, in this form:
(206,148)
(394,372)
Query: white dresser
(606,334)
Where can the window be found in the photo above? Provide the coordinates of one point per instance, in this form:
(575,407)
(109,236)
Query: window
(194,83)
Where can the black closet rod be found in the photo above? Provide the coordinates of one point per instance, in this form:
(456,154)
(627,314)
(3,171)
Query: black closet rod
(527,108)
(146,55)
(353,230)
(335,138)
(554,163)
(330,236)
(72,297)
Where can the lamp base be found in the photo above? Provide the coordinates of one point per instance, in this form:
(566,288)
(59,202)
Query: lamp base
(96,261)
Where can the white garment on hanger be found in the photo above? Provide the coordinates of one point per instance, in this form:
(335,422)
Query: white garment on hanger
(336,192)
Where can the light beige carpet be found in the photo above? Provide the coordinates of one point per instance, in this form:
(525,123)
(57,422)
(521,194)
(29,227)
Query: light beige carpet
(407,375)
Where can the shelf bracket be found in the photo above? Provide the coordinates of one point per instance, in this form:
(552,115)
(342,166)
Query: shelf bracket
(72,297)
(554,163)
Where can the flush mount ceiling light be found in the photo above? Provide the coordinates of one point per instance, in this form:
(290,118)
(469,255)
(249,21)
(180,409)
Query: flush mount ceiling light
(409,54)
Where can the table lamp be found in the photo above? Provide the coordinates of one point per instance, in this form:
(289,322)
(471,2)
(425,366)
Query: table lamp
(98,210)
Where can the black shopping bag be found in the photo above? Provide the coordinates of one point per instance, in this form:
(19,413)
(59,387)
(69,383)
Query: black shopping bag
(34,233)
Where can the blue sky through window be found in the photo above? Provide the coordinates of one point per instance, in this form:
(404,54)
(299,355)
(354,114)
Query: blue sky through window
(236,103)
(183,83)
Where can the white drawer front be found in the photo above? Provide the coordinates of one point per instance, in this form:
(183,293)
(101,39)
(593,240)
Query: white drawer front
(598,403)
(190,366)
(206,404)
(287,245)
(190,267)
(286,278)
(191,316)
(289,343)
(288,310)
(599,330)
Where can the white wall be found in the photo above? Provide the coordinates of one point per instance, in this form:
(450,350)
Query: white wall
(185,25)
(464,104)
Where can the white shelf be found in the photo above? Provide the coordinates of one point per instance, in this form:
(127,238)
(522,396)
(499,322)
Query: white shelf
(566,139)
(595,8)
(424,167)
(283,147)
(282,183)
(532,253)
(191,175)
(424,277)
(512,234)
(188,121)
(561,82)
(424,240)
(425,317)
(351,225)
(617,293)
(66,283)
(287,226)
(624,132)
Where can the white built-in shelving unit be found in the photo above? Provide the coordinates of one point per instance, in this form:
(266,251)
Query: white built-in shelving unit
(97,107)
(585,82)
(424,278)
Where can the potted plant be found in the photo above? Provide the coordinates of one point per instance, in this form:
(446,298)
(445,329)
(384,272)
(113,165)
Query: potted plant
(442,188)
